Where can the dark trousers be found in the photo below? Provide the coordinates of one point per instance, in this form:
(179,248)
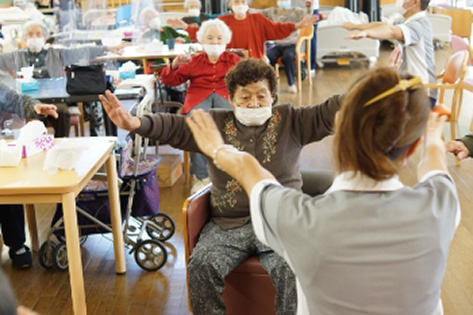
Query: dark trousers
(313,46)
(220,251)
(12,220)
(287,54)
(61,125)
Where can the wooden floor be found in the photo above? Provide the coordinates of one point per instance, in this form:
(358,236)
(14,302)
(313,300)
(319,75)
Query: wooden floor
(164,291)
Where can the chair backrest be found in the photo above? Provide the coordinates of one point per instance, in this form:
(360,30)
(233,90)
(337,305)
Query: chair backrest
(456,67)
(196,213)
(458,43)
(305,35)
(123,15)
(306,32)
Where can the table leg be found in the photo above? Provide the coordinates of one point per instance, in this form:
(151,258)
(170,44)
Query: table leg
(73,254)
(115,214)
(81,118)
(145,65)
(31,219)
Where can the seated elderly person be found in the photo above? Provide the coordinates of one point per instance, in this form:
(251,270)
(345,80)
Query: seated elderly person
(151,24)
(206,72)
(250,30)
(284,48)
(12,218)
(196,17)
(275,136)
(49,63)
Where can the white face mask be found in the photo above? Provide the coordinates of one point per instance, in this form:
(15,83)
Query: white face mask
(155,23)
(240,9)
(193,12)
(213,50)
(399,8)
(252,116)
(35,44)
(284,4)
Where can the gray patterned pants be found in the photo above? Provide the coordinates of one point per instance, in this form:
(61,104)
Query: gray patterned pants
(220,251)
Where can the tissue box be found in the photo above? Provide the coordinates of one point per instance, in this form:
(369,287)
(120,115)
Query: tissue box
(126,74)
(27,85)
(37,145)
(10,154)
(169,170)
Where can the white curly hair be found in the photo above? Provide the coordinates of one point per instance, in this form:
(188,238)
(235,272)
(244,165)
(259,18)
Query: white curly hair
(227,33)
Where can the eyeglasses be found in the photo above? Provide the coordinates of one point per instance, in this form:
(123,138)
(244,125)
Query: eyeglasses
(401,86)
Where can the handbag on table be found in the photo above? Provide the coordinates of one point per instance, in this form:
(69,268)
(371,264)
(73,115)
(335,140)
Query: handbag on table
(86,79)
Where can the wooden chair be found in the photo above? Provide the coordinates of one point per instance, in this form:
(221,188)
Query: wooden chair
(305,35)
(248,289)
(453,78)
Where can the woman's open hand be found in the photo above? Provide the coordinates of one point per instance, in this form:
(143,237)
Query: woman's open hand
(308,20)
(117,113)
(180,60)
(46,110)
(176,23)
(395,58)
(458,148)
(205,132)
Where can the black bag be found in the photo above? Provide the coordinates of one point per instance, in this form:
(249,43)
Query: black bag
(88,79)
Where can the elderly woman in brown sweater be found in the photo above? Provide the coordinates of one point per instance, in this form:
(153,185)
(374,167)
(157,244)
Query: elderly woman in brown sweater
(275,136)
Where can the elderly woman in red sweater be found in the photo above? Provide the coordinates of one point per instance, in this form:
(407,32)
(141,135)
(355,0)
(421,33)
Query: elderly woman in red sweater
(206,72)
(250,30)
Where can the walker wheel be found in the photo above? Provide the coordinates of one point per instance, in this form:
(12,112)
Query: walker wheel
(163,227)
(60,257)
(46,254)
(150,255)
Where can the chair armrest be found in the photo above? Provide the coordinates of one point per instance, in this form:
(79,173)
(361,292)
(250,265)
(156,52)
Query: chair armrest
(196,212)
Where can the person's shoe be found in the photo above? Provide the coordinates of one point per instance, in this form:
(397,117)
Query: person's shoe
(198,184)
(292,89)
(21,258)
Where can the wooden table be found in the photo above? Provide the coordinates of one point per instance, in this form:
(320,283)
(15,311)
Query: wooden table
(139,53)
(29,184)
(53,91)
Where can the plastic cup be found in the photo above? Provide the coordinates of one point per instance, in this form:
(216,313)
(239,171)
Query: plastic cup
(171,43)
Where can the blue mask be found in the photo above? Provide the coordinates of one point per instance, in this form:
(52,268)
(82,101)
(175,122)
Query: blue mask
(284,4)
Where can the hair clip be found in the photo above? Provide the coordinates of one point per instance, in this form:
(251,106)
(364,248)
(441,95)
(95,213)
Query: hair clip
(401,86)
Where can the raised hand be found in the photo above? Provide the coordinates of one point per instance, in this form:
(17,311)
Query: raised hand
(434,130)
(180,60)
(349,26)
(357,35)
(176,23)
(395,58)
(205,132)
(46,110)
(308,20)
(117,113)
(458,148)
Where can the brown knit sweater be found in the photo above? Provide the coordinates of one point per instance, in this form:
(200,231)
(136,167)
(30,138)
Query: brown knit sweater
(277,145)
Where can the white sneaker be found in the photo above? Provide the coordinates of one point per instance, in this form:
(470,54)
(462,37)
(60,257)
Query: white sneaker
(198,184)
(292,89)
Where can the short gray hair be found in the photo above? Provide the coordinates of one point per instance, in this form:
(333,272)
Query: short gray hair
(247,1)
(227,33)
(144,14)
(186,3)
(39,23)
